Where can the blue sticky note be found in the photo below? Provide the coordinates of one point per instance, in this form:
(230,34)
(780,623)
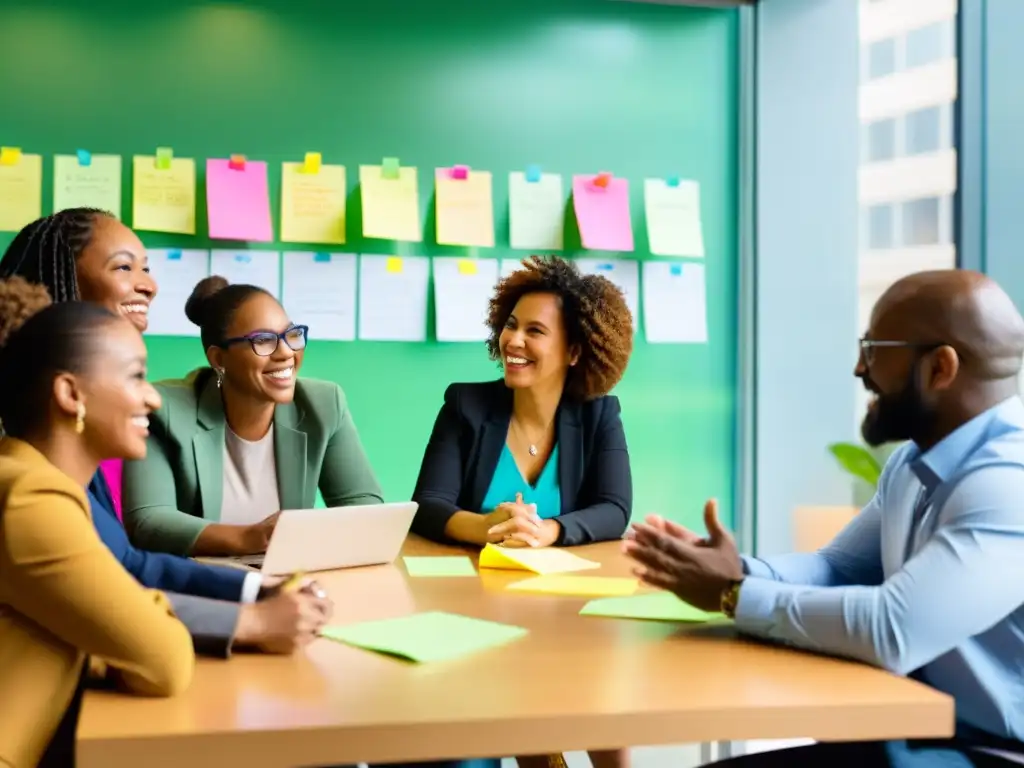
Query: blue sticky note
(323,258)
(672,181)
(606,267)
(533,173)
(243,258)
(84,158)
(174,255)
(675,270)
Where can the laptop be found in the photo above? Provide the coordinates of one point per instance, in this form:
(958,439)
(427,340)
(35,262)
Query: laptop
(338,537)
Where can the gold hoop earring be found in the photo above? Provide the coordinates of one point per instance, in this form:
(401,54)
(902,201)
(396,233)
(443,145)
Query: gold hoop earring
(80,418)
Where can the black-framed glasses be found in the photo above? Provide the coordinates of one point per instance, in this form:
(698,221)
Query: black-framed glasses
(868,346)
(265,343)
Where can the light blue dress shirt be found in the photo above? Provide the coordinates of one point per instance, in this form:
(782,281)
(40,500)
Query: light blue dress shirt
(928,578)
(507,481)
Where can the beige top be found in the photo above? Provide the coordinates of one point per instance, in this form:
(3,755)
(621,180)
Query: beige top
(250,479)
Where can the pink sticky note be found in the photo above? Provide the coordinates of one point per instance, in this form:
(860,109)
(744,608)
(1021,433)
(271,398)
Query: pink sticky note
(602,214)
(460,172)
(238,202)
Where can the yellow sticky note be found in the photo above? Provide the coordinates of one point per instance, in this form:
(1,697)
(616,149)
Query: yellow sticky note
(543,560)
(312,204)
(97,185)
(585,586)
(467,267)
(465,209)
(673,217)
(164,200)
(393,264)
(9,155)
(391,207)
(21,192)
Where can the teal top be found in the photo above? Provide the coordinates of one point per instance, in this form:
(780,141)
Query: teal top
(507,481)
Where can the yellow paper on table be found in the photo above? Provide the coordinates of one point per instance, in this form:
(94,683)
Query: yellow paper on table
(465,208)
(96,185)
(164,199)
(391,207)
(313,204)
(543,561)
(21,192)
(585,586)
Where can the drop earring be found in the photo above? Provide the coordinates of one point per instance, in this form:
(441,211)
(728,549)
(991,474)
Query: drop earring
(220,377)
(80,418)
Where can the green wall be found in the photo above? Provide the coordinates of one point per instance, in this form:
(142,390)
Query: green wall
(576,86)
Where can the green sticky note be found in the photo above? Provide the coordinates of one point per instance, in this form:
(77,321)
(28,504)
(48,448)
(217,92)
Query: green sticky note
(654,606)
(433,636)
(390,168)
(458,565)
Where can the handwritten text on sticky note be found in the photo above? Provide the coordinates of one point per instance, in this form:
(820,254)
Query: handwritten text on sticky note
(313,204)
(465,208)
(164,199)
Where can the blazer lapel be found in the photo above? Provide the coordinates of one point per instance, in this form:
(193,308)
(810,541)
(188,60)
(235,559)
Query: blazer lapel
(208,449)
(492,440)
(570,454)
(290,458)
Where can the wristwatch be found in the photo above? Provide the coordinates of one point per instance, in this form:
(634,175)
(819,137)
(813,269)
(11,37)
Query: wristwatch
(730,599)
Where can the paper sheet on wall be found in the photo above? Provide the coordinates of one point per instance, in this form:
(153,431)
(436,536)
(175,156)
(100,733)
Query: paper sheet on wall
(313,204)
(464,208)
(238,201)
(675,303)
(164,199)
(391,207)
(623,273)
(259,268)
(96,185)
(462,290)
(536,211)
(673,218)
(393,298)
(319,290)
(21,192)
(176,272)
(602,214)
(508,266)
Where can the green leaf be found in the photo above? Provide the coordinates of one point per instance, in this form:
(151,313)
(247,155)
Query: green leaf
(858,461)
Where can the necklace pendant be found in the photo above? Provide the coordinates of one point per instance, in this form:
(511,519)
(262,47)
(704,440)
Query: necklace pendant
(533,450)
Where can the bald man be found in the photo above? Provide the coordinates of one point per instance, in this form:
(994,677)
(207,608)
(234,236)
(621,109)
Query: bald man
(928,580)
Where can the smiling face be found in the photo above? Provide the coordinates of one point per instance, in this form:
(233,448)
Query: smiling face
(113,270)
(534,347)
(250,372)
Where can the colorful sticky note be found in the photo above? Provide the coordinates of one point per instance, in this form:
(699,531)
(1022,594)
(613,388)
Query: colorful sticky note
(653,606)
(465,208)
(390,168)
(96,184)
(458,565)
(164,158)
(312,204)
(673,217)
(164,199)
(585,586)
(603,214)
(238,200)
(9,155)
(391,206)
(422,637)
(536,209)
(394,264)
(467,267)
(21,191)
(543,560)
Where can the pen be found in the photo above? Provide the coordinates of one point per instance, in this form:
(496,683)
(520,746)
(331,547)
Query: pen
(293,582)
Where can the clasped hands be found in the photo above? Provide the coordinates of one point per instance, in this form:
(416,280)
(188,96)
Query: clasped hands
(284,620)
(696,569)
(516,524)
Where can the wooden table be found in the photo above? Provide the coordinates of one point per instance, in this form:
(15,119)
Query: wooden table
(573,683)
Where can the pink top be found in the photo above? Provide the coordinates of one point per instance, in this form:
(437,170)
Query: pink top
(111,469)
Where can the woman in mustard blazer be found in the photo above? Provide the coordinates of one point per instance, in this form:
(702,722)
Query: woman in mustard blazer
(72,390)
(239,441)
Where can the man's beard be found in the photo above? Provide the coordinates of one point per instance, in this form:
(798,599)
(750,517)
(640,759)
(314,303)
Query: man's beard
(896,417)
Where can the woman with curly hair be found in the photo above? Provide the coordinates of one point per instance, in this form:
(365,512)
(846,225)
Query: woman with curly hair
(539,457)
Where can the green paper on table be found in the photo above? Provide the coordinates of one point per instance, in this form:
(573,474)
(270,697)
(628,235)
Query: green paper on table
(433,636)
(458,565)
(653,606)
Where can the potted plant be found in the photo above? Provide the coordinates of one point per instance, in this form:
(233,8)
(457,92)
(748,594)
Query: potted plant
(858,461)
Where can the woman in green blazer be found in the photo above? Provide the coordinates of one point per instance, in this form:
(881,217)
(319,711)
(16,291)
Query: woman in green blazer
(239,441)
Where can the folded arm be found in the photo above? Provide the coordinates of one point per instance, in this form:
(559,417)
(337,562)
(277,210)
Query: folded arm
(346,478)
(968,577)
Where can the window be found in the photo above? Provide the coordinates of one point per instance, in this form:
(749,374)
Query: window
(923,131)
(921,222)
(879,141)
(881,58)
(880,226)
(929,44)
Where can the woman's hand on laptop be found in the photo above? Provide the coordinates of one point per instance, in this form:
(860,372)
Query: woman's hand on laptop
(285,622)
(255,538)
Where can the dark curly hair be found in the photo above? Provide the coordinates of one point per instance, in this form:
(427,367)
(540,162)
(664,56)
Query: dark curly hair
(594,312)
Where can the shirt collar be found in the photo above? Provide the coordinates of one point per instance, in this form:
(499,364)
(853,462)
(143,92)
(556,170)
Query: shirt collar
(941,461)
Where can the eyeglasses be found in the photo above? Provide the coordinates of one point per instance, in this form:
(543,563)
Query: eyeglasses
(265,343)
(868,346)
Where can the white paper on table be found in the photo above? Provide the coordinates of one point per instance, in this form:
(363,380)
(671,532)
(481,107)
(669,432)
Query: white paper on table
(462,291)
(624,273)
(675,303)
(259,268)
(176,271)
(393,298)
(673,218)
(536,211)
(319,290)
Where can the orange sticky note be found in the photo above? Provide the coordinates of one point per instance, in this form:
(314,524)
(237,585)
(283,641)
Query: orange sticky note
(394,264)
(465,208)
